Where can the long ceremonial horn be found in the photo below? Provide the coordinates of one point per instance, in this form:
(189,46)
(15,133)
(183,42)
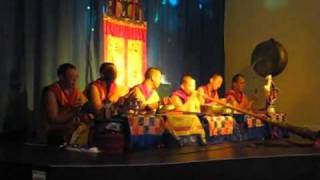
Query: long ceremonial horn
(301,131)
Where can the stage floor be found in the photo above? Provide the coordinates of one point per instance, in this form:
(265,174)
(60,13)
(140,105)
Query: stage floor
(255,159)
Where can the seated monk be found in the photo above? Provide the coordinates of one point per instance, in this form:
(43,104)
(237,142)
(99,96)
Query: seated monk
(62,106)
(186,97)
(104,90)
(236,95)
(208,93)
(146,91)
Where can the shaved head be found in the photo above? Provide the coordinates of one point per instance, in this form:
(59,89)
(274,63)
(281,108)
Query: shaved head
(68,75)
(151,72)
(216,76)
(186,78)
(154,74)
(108,71)
(216,81)
(188,84)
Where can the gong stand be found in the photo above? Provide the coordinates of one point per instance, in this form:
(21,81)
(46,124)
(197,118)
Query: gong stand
(270,58)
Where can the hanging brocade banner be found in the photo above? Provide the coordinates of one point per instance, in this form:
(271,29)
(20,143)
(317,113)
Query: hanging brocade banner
(125,45)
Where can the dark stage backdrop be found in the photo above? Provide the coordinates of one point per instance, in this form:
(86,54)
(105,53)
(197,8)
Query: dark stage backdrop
(184,36)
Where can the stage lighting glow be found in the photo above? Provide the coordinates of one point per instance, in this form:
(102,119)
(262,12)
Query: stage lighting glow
(164,2)
(156,18)
(88,7)
(174,2)
(200,6)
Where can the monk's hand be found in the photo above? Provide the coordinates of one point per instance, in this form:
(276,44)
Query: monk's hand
(76,108)
(74,123)
(194,95)
(166,100)
(223,100)
(86,117)
(78,103)
(201,94)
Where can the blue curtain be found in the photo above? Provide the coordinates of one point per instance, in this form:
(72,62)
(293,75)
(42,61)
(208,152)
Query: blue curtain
(37,36)
(184,36)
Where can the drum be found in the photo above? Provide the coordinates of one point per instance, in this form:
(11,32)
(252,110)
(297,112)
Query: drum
(109,135)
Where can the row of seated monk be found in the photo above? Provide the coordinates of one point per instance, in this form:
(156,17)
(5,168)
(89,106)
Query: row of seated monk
(63,101)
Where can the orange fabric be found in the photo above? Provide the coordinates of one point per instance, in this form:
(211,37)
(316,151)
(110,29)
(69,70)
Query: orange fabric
(184,125)
(64,99)
(238,96)
(143,88)
(181,94)
(212,94)
(101,86)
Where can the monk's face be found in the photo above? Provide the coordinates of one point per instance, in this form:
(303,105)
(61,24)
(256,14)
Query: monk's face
(216,83)
(109,73)
(240,84)
(70,78)
(189,86)
(156,79)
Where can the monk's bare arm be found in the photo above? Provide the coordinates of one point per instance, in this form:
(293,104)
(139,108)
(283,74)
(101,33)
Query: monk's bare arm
(52,109)
(201,95)
(95,100)
(176,101)
(231,100)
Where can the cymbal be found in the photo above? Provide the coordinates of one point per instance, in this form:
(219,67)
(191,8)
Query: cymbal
(269,57)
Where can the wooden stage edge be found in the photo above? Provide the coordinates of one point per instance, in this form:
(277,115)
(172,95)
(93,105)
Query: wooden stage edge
(277,159)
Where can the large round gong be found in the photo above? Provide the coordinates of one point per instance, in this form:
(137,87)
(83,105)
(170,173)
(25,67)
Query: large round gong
(269,57)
